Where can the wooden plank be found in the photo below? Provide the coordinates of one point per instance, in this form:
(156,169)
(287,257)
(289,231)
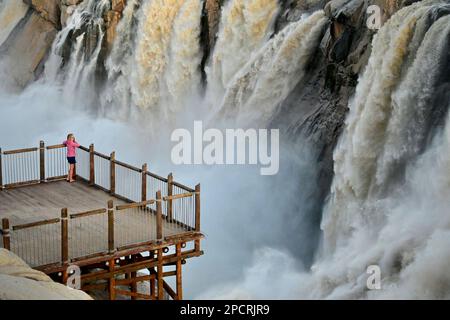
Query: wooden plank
(59,178)
(1,175)
(111,247)
(144,183)
(42,160)
(128,166)
(5,234)
(20,151)
(112,173)
(56,146)
(21,184)
(159,233)
(159,275)
(179,287)
(87,213)
(111,281)
(35,224)
(83,148)
(64,236)
(135,204)
(177,196)
(170,291)
(197,215)
(155,176)
(149,263)
(91,165)
(182,186)
(169,197)
(134,294)
(101,155)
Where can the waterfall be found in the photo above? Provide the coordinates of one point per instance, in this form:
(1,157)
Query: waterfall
(265,81)
(391,167)
(244,28)
(116,98)
(11,12)
(75,53)
(168,33)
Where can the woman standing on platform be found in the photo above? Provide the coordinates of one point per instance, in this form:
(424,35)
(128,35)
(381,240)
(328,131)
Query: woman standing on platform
(71,145)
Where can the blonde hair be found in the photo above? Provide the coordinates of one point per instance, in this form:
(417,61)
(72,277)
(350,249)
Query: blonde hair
(69,136)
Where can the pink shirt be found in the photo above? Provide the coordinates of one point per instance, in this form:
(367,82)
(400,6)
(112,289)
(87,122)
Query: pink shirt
(71,146)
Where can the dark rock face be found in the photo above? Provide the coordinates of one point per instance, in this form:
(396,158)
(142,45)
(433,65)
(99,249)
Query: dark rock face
(315,112)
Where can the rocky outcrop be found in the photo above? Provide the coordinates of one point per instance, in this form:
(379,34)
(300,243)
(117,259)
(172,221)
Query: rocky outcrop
(210,26)
(29,43)
(112,20)
(20,282)
(47,9)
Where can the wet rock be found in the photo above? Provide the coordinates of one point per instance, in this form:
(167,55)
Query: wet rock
(210,26)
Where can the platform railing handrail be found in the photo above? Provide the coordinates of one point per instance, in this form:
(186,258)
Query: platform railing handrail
(163,203)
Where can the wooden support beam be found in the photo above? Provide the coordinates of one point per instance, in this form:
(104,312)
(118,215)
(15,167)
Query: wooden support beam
(159,229)
(134,295)
(6,234)
(152,281)
(111,246)
(197,215)
(42,160)
(169,194)
(170,291)
(1,175)
(179,287)
(64,237)
(112,280)
(91,165)
(144,183)
(112,172)
(159,275)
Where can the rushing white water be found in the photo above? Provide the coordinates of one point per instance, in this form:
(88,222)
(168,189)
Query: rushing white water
(83,38)
(376,215)
(244,28)
(265,81)
(11,12)
(167,55)
(388,202)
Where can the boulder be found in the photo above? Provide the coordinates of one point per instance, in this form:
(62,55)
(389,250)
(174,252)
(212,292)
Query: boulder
(28,45)
(20,282)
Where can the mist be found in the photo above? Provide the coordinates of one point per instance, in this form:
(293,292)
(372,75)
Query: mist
(251,222)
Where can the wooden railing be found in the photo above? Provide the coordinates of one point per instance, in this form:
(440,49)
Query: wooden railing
(170,207)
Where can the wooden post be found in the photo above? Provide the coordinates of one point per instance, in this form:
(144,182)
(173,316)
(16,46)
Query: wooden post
(133,285)
(197,215)
(5,232)
(169,193)
(91,165)
(144,183)
(178,270)
(1,176)
(112,280)
(64,237)
(159,275)
(112,172)
(42,160)
(159,234)
(111,226)
(152,281)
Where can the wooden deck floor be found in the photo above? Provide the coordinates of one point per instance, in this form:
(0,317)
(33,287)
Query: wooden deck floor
(87,235)
(45,201)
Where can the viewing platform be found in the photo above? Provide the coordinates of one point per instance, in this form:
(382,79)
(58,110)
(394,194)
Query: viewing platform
(113,222)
